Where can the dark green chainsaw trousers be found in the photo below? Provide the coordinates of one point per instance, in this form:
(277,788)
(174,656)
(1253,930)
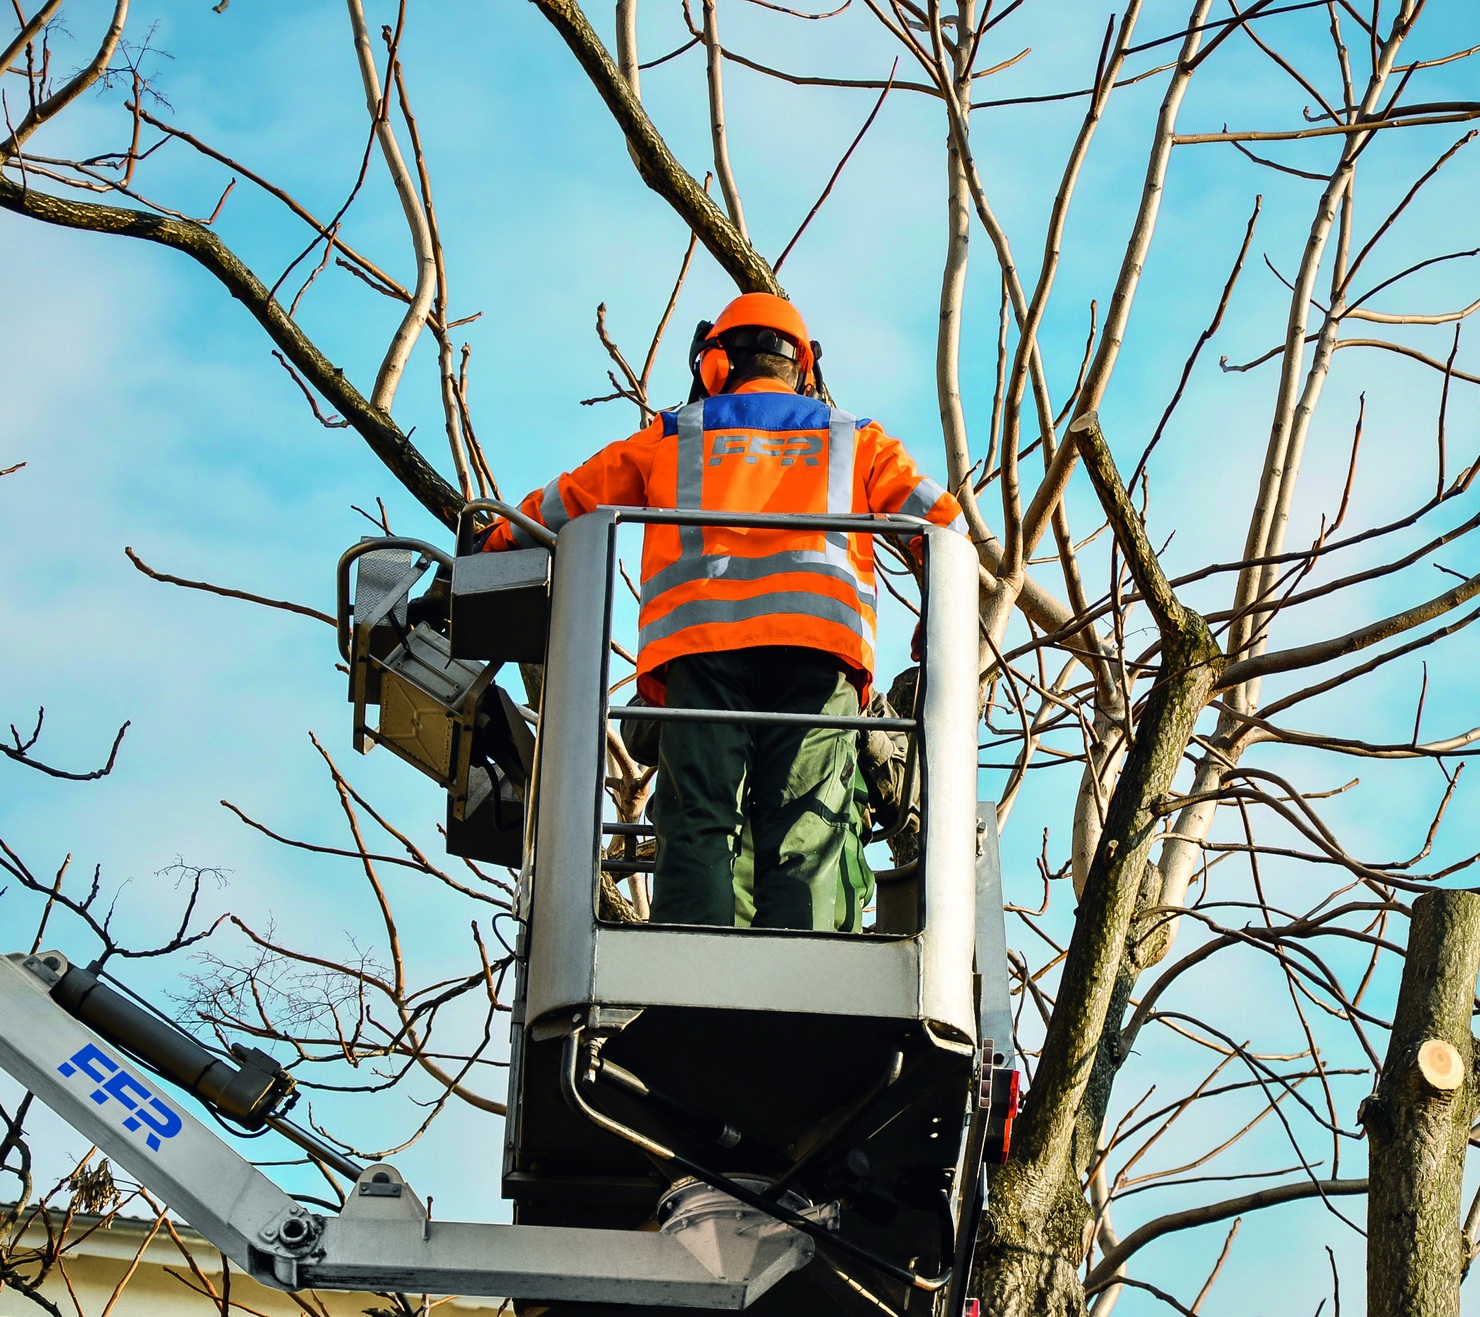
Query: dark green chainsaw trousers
(789,790)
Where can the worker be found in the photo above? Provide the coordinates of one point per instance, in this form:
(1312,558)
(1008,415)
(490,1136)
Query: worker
(772,620)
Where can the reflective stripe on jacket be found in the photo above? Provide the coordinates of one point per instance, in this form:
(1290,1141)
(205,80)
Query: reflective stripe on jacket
(715,588)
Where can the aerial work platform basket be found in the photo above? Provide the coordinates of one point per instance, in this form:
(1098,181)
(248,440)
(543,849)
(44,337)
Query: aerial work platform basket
(699,1118)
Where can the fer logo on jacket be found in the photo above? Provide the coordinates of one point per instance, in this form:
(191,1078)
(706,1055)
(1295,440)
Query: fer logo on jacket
(787,447)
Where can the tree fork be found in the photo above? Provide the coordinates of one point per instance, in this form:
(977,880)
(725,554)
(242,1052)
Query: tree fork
(372,424)
(1032,1237)
(1418,1120)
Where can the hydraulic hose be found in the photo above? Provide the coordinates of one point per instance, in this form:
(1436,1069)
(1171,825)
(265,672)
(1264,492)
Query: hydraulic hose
(709,1128)
(570,1085)
(842,1123)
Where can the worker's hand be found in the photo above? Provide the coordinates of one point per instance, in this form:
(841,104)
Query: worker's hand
(917,643)
(877,750)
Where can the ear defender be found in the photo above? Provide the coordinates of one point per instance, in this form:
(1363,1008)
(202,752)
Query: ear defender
(814,386)
(701,347)
(714,367)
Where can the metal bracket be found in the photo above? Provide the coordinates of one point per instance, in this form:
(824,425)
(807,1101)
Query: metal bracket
(290,1238)
(381,1194)
(49,966)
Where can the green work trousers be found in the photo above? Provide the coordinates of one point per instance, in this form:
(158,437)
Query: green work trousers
(789,791)
(855,885)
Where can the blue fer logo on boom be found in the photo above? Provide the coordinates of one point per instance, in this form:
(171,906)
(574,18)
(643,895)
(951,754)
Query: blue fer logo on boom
(147,1111)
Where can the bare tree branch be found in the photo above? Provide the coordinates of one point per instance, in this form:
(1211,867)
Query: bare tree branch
(372,423)
(655,162)
(53,105)
(223,590)
(19,752)
(1305,656)
(399,351)
(1201,1216)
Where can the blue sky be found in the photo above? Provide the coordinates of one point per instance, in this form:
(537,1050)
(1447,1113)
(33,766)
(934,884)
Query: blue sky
(150,413)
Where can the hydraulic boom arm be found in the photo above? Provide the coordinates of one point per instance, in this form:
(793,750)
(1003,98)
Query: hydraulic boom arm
(382,1239)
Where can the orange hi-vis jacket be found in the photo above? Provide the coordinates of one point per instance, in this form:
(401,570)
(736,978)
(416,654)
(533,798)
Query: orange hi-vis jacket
(711,588)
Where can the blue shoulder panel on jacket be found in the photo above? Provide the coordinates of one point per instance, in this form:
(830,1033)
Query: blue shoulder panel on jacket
(670,424)
(765,411)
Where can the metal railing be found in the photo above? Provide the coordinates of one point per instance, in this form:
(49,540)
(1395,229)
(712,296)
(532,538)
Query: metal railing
(429,554)
(628,862)
(849,523)
(855,523)
(840,722)
(541,535)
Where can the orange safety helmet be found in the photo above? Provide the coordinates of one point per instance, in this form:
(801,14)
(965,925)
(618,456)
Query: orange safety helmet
(710,359)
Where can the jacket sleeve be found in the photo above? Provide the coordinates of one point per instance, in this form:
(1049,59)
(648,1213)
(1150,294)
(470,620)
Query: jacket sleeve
(893,482)
(618,474)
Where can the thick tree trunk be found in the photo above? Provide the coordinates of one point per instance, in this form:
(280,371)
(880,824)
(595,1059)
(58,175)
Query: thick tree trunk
(1030,1267)
(1033,1233)
(1418,1121)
